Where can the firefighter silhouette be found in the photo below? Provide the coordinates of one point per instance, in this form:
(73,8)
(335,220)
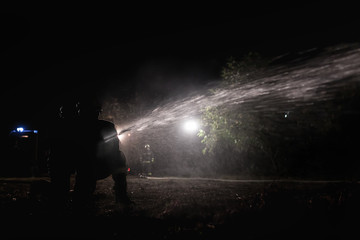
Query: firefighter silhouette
(63,152)
(146,161)
(90,148)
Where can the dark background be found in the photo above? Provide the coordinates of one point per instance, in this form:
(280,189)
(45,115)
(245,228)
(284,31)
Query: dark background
(55,54)
(60,52)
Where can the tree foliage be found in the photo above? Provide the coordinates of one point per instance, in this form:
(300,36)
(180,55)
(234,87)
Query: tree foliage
(232,136)
(244,70)
(307,140)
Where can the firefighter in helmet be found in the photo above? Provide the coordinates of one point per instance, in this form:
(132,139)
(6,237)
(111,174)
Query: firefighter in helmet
(100,155)
(146,160)
(88,147)
(62,153)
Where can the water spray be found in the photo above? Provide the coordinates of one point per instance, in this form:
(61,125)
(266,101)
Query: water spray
(282,89)
(119,134)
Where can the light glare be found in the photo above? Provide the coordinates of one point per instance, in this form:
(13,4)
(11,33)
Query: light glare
(120,137)
(191,126)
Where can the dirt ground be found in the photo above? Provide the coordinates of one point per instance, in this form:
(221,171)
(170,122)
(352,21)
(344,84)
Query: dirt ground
(183,208)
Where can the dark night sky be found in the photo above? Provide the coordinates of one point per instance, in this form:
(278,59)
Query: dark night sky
(49,55)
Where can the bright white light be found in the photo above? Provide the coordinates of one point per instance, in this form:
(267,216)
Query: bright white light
(121,137)
(191,126)
(19,129)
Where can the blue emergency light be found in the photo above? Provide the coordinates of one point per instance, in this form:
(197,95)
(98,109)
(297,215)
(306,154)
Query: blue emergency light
(22,130)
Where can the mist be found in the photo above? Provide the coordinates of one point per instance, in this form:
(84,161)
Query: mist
(277,98)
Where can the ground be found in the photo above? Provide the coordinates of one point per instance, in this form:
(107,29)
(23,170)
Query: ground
(183,208)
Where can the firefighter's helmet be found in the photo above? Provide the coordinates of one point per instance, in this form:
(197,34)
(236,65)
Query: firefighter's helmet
(68,110)
(89,106)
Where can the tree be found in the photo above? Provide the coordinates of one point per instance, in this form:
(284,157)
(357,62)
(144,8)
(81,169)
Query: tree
(232,136)
(279,134)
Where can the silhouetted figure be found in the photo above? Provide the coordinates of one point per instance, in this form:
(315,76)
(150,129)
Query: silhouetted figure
(63,153)
(100,155)
(89,147)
